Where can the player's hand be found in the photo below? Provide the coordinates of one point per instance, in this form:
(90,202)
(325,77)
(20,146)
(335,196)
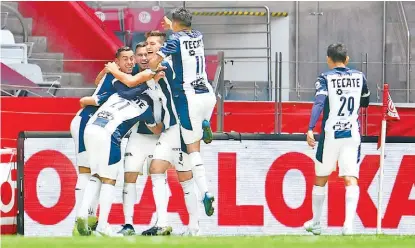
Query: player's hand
(166,23)
(161,68)
(310,139)
(159,75)
(111,67)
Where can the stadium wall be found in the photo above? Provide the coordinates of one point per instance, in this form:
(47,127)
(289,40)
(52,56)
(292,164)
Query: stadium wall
(55,114)
(262,182)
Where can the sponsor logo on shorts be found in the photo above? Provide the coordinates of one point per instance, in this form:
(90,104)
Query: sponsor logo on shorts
(128,154)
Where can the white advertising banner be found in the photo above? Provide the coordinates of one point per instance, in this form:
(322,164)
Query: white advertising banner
(261,188)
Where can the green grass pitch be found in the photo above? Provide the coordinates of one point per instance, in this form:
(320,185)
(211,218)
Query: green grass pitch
(220,242)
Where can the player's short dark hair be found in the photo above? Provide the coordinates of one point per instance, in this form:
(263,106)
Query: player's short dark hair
(122,49)
(156,33)
(140,45)
(183,16)
(337,52)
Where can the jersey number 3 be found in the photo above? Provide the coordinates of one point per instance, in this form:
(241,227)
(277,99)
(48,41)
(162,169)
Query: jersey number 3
(350,105)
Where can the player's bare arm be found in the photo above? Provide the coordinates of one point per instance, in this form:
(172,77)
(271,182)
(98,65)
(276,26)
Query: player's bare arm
(157,129)
(129,80)
(99,77)
(88,101)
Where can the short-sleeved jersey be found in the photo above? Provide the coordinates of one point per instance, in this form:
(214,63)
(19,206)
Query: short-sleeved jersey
(118,115)
(189,64)
(101,94)
(161,95)
(343,88)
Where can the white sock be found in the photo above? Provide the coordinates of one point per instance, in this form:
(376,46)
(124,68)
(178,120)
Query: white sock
(91,190)
(352,198)
(105,203)
(198,172)
(160,198)
(319,193)
(129,198)
(93,209)
(191,202)
(83,179)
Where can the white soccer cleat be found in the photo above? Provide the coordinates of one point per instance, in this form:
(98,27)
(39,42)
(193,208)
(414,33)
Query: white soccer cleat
(312,227)
(347,230)
(106,232)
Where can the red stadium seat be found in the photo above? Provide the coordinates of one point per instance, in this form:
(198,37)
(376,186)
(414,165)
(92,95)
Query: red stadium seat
(143,19)
(110,17)
(211,65)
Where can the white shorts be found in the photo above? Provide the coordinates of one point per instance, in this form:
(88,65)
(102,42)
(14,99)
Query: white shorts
(345,152)
(77,127)
(168,145)
(183,164)
(139,152)
(193,109)
(104,156)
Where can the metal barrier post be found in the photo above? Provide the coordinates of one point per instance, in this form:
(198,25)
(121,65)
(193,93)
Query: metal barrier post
(276,86)
(280,93)
(221,92)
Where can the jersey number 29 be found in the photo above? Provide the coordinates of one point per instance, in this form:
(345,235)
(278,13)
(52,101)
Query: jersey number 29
(350,105)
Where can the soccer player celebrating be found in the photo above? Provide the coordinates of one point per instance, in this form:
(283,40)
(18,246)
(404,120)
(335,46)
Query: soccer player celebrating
(103,134)
(193,95)
(340,92)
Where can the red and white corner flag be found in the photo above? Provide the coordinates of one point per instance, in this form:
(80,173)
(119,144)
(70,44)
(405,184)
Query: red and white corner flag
(389,113)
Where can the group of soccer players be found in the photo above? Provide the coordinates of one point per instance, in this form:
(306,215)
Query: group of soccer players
(160,93)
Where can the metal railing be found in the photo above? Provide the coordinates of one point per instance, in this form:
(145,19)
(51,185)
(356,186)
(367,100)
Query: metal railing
(20,17)
(267,31)
(405,36)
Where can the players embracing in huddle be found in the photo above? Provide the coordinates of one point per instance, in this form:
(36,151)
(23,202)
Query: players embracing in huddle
(163,107)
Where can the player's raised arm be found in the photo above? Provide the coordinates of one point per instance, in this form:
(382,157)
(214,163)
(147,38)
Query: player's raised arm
(171,46)
(318,106)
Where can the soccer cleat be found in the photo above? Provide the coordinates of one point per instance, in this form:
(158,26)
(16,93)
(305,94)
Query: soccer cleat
(127,230)
(158,231)
(75,230)
(208,203)
(312,227)
(92,222)
(207,132)
(82,227)
(106,232)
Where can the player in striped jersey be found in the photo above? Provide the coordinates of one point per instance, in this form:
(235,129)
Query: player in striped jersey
(340,92)
(103,135)
(90,105)
(167,151)
(193,95)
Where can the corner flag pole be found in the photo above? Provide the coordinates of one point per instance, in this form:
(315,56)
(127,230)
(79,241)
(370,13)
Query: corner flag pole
(382,157)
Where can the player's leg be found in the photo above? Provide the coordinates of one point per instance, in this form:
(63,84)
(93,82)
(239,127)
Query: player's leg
(139,147)
(349,170)
(192,132)
(162,159)
(207,130)
(93,187)
(326,155)
(109,163)
(185,175)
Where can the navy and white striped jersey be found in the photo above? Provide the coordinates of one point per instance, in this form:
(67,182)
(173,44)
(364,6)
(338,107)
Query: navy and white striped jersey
(161,95)
(101,94)
(343,88)
(189,64)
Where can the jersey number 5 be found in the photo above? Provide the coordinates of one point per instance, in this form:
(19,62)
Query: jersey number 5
(350,105)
